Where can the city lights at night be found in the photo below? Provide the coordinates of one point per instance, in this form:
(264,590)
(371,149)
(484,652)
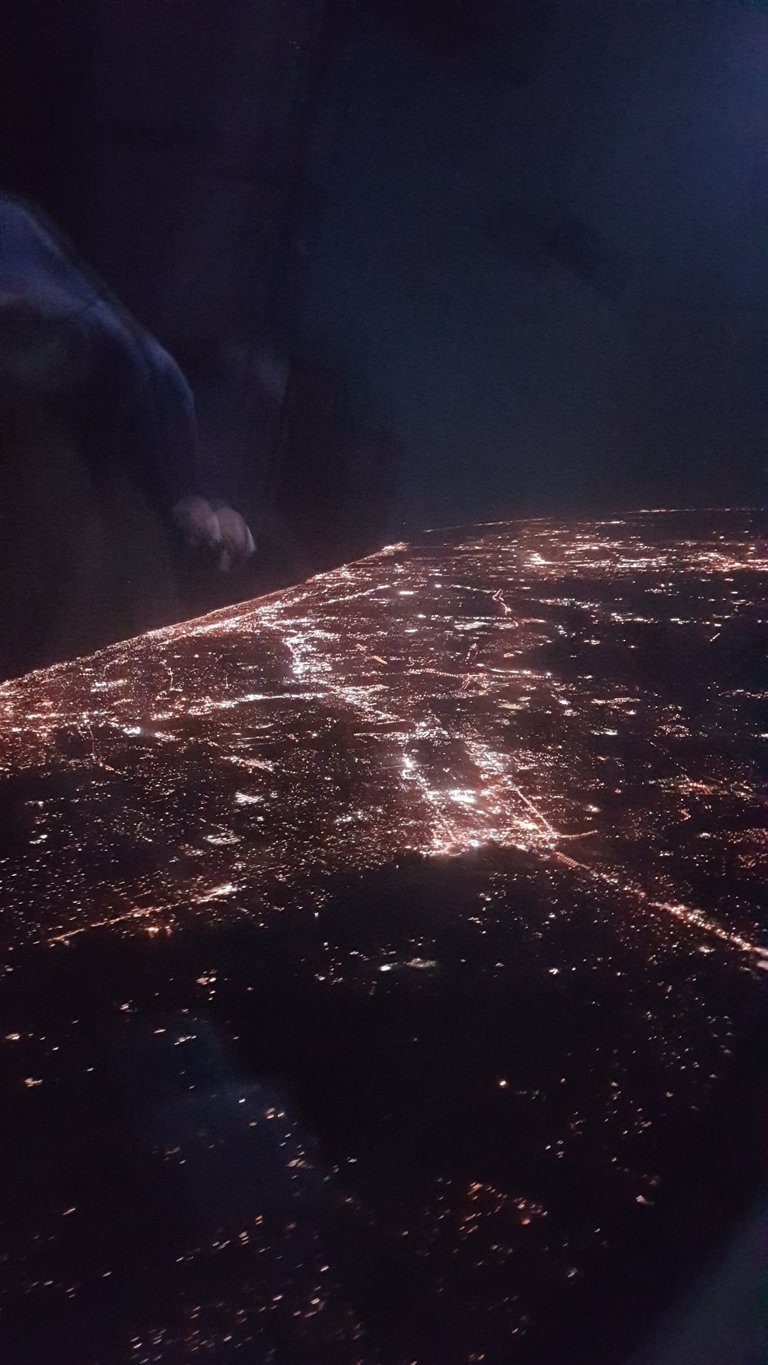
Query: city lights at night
(463,848)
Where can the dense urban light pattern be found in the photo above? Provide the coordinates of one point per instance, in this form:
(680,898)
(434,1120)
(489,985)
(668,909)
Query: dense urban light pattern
(472,832)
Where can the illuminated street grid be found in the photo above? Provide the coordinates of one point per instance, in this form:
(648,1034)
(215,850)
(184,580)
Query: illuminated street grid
(468,690)
(578,711)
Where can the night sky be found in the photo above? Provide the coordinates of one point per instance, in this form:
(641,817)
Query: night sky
(528,236)
(515,384)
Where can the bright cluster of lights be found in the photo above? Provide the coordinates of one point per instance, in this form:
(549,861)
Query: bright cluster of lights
(549,737)
(435,698)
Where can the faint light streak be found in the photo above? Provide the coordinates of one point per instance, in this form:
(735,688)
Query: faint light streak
(216,893)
